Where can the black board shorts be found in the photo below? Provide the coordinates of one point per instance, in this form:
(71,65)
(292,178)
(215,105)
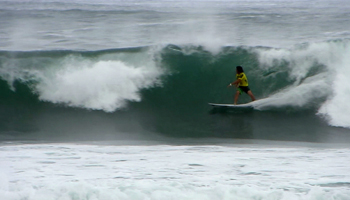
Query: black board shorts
(243,89)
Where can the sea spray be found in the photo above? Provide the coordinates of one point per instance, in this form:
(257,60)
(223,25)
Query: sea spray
(318,71)
(74,80)
(102,85)
(337,108)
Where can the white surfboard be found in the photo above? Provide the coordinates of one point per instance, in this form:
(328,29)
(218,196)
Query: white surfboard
(257,104)
(246,105)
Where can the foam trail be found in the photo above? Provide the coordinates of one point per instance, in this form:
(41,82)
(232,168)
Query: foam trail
(332,83)
(297,96)
(337,108)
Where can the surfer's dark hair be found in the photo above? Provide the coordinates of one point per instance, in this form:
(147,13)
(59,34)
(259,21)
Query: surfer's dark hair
(239,69)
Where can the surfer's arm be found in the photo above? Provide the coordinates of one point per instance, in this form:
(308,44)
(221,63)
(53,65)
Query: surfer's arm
(235,82)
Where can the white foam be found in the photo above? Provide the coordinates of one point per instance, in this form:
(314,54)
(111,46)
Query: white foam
(244,172)
(297,96)
(332,84)
(104,83)
(101,85)
(337,108)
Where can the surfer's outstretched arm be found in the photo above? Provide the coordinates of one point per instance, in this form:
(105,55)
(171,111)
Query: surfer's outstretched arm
(235,83)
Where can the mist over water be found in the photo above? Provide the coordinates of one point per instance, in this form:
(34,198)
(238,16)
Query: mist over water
(90,25)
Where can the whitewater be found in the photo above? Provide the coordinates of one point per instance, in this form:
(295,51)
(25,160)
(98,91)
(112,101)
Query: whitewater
(108,99)
(81,171)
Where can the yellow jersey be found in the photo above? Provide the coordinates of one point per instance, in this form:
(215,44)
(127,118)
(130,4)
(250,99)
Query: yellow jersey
(243,78)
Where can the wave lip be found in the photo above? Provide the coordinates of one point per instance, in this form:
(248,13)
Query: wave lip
(79,81)
(104,85)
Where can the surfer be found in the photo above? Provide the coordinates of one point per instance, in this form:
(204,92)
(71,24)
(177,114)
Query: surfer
(241,84)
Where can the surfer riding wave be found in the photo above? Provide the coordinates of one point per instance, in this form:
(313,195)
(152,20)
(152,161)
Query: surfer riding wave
(241,84)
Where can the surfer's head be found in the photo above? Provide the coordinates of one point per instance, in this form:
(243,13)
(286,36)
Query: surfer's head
(239,69)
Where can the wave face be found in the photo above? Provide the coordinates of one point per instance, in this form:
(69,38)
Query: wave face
(164,90)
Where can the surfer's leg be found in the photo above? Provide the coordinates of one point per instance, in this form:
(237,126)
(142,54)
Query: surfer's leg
(236,97)
(251,95)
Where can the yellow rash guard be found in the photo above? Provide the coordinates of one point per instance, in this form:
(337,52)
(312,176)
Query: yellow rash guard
(243,78)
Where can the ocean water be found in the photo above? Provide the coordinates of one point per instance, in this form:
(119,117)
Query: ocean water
(108,99)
